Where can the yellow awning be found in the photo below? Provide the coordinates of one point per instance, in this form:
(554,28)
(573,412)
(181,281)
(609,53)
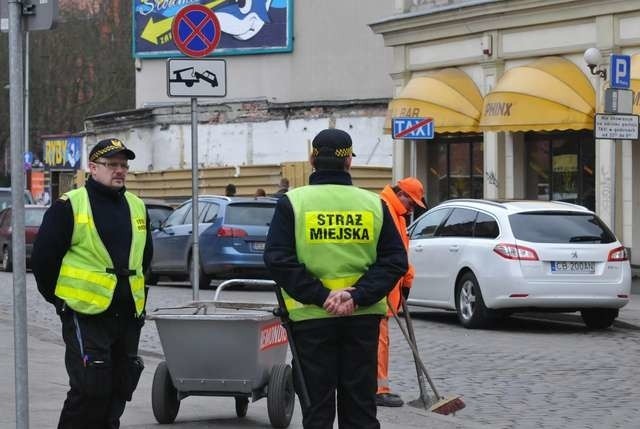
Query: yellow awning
(449,96)
(635,82)
(551,93)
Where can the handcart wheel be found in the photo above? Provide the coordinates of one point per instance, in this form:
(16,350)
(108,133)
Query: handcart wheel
(164,396)
(242,404)
(280,396)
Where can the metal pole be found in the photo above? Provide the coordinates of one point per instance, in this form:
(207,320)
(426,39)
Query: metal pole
(195,250)
(16,76)
(613,188)
(26,91)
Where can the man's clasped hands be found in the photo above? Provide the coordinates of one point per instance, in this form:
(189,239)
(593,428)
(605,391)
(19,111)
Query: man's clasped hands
(340,303)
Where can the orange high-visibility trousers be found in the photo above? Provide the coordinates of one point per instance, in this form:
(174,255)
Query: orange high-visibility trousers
(383,357)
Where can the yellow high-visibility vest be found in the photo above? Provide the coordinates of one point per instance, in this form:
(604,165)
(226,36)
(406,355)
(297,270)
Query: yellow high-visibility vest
(337,228)
(87,278)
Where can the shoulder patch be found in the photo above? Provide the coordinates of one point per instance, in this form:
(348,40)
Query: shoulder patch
(63,197)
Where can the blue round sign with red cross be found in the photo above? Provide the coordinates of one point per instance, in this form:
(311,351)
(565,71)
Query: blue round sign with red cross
(196,30)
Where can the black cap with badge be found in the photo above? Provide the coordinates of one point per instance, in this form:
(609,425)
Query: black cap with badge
(109,147)
(332,143)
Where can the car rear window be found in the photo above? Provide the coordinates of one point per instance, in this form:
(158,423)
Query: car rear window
(560,227)
(33,217)
(5,199)
(249,214)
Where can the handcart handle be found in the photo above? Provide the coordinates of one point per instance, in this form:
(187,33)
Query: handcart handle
(247,282)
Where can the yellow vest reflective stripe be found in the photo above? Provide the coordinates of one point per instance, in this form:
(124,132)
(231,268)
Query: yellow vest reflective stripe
(341,221)
(84,283)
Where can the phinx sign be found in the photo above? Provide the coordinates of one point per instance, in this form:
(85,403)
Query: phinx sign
(498,109)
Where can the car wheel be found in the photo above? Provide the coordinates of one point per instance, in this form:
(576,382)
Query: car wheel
(204,280)
(470,307)
(7,265)
(599,318)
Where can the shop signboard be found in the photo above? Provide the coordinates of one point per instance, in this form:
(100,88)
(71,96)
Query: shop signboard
(247,27)
(62,153)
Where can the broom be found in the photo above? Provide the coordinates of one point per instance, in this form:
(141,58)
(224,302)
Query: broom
(448,405)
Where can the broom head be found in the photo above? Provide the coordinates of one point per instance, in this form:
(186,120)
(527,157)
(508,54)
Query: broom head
(448,405)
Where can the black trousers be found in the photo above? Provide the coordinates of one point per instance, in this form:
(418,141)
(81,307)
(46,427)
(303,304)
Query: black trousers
(339,356)
(102,361)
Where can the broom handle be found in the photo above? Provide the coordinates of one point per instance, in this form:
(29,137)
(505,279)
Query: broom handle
(416,355)
(283,314)
(407,318)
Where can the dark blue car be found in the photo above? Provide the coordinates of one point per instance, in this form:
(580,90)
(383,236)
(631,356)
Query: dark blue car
(233,231)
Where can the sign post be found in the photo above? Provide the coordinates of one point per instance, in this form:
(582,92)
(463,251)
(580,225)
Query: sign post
(617,123)
(196,33)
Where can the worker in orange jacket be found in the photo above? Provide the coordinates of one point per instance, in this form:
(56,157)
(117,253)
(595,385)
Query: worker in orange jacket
(401,200)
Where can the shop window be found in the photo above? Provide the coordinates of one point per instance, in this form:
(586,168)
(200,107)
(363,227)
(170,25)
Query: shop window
(560,167)
(455,168)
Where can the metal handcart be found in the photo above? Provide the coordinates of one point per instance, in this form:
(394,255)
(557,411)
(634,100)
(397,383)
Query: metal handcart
(218,348)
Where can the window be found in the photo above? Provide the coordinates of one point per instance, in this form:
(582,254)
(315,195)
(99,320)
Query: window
(455,167)
(485,227)
(426,226)
(5,219)
(210,214)
(249,214)
(459,224)
(178,216)
(34,216)
(561,167)
(560,227)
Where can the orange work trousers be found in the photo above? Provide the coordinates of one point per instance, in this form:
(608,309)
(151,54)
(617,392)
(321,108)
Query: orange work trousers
(383,357)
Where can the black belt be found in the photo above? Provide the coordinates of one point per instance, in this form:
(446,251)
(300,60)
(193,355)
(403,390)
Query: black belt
(121,271)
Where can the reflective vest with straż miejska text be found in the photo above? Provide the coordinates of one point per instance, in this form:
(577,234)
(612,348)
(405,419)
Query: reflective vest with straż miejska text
(87,279)
(337,228)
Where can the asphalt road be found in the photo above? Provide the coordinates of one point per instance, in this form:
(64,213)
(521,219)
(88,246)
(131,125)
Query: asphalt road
(531,371)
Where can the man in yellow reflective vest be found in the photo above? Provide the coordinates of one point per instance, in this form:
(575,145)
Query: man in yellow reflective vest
(89,259)
(335,251)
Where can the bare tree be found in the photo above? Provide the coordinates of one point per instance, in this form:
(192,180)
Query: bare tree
(81,68)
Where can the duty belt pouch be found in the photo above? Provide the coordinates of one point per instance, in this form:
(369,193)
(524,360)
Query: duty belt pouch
(98,380)
(131,376)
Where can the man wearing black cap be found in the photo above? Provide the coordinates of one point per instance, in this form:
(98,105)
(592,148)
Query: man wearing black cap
(334,251)
(89,260)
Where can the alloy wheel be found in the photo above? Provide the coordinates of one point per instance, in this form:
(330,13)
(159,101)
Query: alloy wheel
(467,299)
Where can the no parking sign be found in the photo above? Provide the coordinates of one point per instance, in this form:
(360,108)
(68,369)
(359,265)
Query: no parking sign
(196,30)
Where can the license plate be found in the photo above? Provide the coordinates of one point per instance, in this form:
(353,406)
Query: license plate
(258,245)
(568,267)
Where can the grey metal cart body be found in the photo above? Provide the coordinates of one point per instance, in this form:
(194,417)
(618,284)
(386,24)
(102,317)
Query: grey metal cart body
(217,348)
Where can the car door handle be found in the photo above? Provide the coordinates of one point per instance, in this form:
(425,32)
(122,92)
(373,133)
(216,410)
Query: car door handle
(418,248)
(454,248)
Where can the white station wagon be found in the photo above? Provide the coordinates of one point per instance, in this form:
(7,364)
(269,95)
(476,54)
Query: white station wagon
(488,259)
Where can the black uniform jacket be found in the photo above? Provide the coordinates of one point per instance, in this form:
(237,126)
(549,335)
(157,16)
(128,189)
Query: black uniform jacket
(290,274)
(113,221)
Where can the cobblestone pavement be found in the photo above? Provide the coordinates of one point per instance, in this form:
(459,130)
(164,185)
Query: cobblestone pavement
(532,371)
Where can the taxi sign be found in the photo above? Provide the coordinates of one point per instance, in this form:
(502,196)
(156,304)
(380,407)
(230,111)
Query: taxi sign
(412,128)
(196,30)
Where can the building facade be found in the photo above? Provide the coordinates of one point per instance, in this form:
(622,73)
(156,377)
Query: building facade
(310,66)
(514,102)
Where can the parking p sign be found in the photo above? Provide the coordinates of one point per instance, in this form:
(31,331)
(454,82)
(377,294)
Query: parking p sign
(620,71)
